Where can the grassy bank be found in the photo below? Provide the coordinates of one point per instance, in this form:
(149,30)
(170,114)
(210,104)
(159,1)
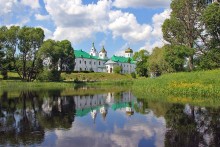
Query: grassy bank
(19,85)
(95,77)
(201,87)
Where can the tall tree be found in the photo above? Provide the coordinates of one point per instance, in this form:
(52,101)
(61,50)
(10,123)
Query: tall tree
(141,57)
(176,56)
(182,28)
(157,63)
(210,57)
(67,56)
(57,56)
(30,40)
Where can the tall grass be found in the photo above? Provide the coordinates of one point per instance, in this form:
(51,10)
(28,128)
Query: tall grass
(194,87)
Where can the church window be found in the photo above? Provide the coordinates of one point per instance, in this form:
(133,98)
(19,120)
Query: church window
(79,61)
(85,62)
(99,62)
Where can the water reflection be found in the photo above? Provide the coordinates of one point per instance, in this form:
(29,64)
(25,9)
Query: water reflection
(51,118)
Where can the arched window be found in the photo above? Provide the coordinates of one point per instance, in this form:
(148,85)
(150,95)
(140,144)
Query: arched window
(85,62)
(79,61)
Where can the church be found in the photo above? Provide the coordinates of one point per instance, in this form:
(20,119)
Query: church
(99,62)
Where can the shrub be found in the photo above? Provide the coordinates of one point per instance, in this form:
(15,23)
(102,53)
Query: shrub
(47,75)
(117,69)
(4,73)
(133,75)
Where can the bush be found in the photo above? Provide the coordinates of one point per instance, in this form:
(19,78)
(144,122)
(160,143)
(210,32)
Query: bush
(117,69)
(133,75)
(47,75)
(4,73)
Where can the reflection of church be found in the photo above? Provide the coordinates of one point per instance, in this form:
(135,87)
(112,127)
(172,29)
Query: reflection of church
(94,104)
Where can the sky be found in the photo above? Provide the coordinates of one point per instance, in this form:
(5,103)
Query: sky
(116,24)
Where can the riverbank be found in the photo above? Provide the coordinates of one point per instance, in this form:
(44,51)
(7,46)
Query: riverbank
(199,88)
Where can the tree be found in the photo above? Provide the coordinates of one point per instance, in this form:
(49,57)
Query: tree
(141,57)
(210,57)
(176,56)
(57,56)
(157,63)
(30,40)
(117,69)
(183,27)
(67,56)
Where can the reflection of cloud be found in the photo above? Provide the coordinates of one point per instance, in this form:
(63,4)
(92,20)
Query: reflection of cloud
(137,127)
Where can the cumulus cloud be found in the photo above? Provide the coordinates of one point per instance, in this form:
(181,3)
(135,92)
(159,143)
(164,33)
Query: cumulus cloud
(142,3)
(126,26)
(75,21)
(42,17)
(34,4)
(17,11)
(156,34)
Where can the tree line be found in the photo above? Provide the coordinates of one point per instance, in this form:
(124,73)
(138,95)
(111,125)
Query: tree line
(192,34)
(23,50)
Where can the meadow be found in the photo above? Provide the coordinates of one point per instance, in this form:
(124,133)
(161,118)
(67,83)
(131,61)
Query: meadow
(199,88)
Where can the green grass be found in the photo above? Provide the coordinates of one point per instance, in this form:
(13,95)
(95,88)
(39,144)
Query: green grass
(199,88)
(19,85)
(95,77)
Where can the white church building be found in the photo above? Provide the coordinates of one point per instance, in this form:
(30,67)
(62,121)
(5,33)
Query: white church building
(99,61)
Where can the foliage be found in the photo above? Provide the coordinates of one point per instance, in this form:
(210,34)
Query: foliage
(133,75)
(210,57)
(183,26)
(157,62)
(176,56)
(117,69)
(141,67)
(59,56)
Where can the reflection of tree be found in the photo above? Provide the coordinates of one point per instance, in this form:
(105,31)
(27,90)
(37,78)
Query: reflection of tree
(192,126)
(182,128)
(62,114)
(141,106)
(25,129)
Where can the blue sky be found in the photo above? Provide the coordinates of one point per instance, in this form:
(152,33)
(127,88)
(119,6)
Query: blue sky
(116,24)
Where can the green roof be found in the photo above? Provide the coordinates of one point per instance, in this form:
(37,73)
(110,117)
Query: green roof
(122,59)
(83,54)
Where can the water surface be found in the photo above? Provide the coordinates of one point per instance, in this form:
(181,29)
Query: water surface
(84,117)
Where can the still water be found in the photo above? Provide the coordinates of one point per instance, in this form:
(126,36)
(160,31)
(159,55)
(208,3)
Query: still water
(115,118)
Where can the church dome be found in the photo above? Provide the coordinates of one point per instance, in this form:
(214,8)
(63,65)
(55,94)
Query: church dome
(103,50)
(129,50)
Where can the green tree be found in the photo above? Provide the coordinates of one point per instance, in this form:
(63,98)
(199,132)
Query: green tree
(183,26)
(157,63)
(117,69)
(30,40)
(176,56)
(67,57)
(210,57)
(57,56)
(142,65)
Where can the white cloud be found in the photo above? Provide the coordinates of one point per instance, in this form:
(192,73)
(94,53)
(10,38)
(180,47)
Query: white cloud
(126,26)
(16,11)
(158,20)
(75,21)
(42,17)
(156,34)
(34,4)
(142,3)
